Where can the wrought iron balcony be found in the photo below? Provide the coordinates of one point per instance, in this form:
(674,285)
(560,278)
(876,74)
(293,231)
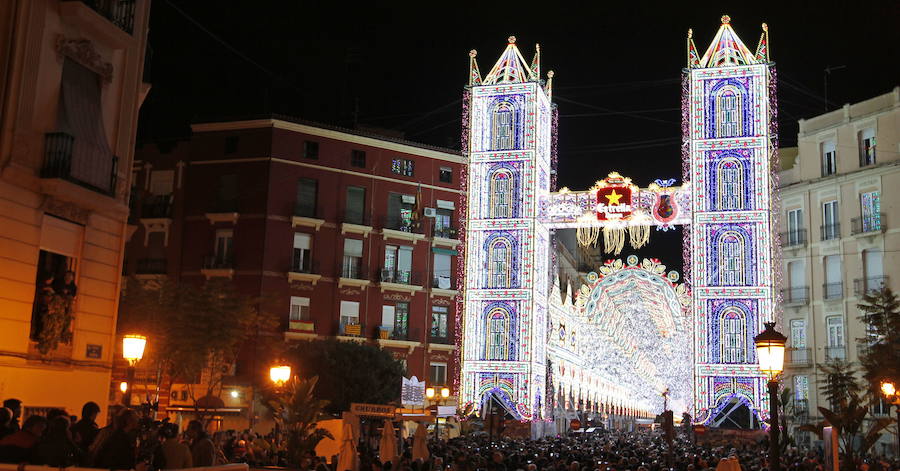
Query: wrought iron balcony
(304,265)
(799,356)
(397,223)
(353,269)
(836,353)
(833,290)
(830,231)
(218,262)
(403,277)
(118,12)
(353,217)
(351,328)
(801,408)
(152,266)
(862,286)
(440,339)
(795,295)
(60,162)
(389,332)
(305,210)
(867,224)
(446,232)
(443,281)
(157,207)
(795,238)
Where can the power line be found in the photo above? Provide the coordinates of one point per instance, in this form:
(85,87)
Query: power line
(608,110)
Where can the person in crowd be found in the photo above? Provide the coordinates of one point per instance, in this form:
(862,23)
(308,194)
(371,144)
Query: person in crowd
(203,450)
(56,447)
(103,434)
(17,447)
(5,419)
(15,406)
(176,455)
(85,430)
(120,449)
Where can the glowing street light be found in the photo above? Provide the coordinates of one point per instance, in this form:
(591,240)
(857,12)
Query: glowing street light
(123,386)
(280,374)
(889,389)
(132,351)
(770,352)
(431,393)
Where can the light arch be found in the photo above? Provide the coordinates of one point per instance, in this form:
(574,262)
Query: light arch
(497,334)
(730,185)
(733,335)
(731,263)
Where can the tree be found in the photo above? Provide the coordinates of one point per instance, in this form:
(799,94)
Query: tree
(195,331)
(349,372)
(881,357)
(297,412)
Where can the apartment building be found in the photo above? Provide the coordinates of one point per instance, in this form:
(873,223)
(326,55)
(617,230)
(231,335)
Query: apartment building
(70,89)
(840,199)
(354,234)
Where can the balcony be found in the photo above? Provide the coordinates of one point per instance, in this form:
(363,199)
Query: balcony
(151,266)
(832,291)
(390,336)
(300,329)
(793,239)
(797,295)
(62,162)
(446,233)
(799,357)
(223,211)
(400,280)
(868,225)
(351,330)
(218,266)
(801,409)
(836,353)
(118,12)
(442,284)
(157,207)
(395,227)
(355,223)
(304,270)
(305,215)
(830,231)
(353,273)
(861,286)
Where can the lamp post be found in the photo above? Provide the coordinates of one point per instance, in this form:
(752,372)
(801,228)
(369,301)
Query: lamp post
(890,393)
(132,351)
(431,393)
(770,352)
(280,374)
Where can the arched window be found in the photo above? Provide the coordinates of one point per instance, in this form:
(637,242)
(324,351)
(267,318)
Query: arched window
(498,335)
(730,180)
(502,127)
(729,112)
(732,336)
(501,189)
(499,257)
(731,259)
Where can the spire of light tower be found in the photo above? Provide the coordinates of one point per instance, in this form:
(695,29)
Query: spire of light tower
(762,49)
(474,73)
(727,49)
(511,67)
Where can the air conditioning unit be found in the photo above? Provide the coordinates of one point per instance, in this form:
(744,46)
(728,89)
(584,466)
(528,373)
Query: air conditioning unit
(430,212)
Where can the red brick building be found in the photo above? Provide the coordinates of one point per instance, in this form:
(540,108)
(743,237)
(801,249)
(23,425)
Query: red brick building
(354,234)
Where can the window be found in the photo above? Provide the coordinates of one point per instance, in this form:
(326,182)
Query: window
(801,387)
(835,326)
(299,309)
(798,333)
(162,182)
(224,248)
(501,186)
(397,264)
(867,147)
(443,226)
(731,185)
(830,225)
(226,194)
(355,204)
(870,211)
(55,290)
(728,112)
(502,129)
(442,271)
(873,270)
(499,268)
(834,287)
(437,374)
(302,260)
(402,167)
(231,144)
(731,259)
(311,150)
(439,323)
(307,194)
(358,158)
(829,158)
(732,334)
(445,175)
(797,282)
(351,267)
(795,226)
(349,313)
(400,212)
(401,320)
(498,335)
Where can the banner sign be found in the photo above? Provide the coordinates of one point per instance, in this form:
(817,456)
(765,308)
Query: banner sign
(373,410)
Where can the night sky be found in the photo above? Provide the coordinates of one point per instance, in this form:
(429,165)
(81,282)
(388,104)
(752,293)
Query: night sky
(402,66)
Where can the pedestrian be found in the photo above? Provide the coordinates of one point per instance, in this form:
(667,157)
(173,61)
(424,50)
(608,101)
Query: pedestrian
(56,447)
(103,434)
(16,447)
(203,450)
(15,406)
(85,430)
(176,455)
(120,449)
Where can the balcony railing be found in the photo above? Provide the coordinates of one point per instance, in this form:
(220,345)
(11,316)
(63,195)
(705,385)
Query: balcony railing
(446,232)
(224,206)
(801,408)
(351,329)
(397,223)
(833,290)
(358,218)
(218,262)
(443,281)
(151,266)
(836,353)
(403,277)
(353,270)
(862,286)
(304,265)
(799,356)
(118,12)
(398,333)
(441,339)
(793,238)
(305,210)
(157,206)
(59,152)
(795,295)
(867,224)
(830,231)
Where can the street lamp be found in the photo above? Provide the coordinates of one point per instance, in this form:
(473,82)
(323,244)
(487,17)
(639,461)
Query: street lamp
(132,351)
(890,393)
(431,393)
(280,374)
(770,352)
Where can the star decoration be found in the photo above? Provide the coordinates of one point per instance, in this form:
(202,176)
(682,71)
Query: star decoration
(613,198)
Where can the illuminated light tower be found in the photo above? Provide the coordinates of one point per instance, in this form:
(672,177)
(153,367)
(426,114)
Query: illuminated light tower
(729,151)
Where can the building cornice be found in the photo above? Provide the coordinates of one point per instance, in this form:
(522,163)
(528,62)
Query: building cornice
(832,180)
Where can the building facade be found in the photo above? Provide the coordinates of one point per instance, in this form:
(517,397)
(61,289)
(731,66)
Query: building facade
(71,87)
(352,235)
(837,207)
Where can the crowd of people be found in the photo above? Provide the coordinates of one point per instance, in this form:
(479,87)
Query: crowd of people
(129,442)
